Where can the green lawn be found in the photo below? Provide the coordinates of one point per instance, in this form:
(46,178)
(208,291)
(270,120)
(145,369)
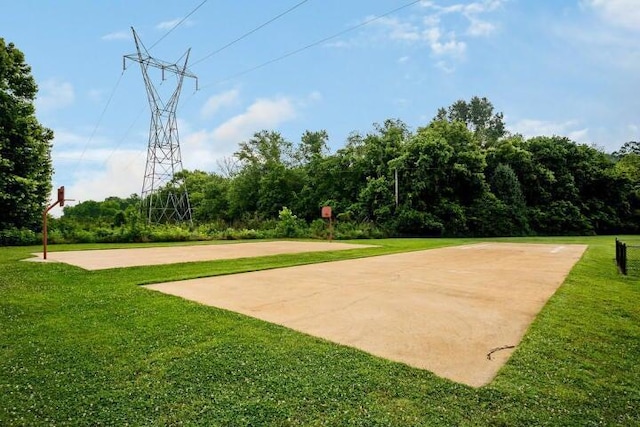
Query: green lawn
(94,348)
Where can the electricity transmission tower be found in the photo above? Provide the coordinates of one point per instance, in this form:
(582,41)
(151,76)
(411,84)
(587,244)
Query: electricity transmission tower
(164,196)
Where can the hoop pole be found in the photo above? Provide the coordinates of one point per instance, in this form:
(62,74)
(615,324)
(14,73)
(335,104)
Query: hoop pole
(44,228)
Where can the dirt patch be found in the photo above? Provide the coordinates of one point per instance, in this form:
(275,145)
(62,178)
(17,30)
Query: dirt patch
(116,258)
(443,309)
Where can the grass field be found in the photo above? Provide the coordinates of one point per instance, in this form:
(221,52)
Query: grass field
(94,348)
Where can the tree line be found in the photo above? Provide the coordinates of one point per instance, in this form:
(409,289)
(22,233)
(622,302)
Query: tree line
(462,174)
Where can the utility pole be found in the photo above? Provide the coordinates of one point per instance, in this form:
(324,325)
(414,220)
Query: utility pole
(164,196)
(396,187)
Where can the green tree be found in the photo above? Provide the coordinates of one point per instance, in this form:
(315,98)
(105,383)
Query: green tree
(630,147)
(315,172)
(25,145)
(208,194)
(91,214)
(268,180)
(479,117)
(441,174)
(373,160)
(506,187)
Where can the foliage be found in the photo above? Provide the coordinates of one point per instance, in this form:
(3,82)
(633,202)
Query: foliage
(18,237)
(460,175)
(25,145)
(478,116)
(289,225)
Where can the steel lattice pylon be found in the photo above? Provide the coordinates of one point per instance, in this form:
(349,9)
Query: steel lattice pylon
(164,196)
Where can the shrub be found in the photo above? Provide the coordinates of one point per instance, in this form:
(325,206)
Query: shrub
(83,236)
(18,237)
(318,229)
(289,225)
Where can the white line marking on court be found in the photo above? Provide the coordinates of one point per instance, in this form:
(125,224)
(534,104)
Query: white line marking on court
(557,249)
(479,246)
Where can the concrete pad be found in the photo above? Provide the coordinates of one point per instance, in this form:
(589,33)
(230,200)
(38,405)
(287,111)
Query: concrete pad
(115,258)
(443,309)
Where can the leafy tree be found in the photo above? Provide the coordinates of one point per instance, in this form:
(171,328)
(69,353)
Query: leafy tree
(373,160)
(630,147)
(312,147)
(478,116)
(208,195)
(110,212)
(25,145)
(267,180)
(512,220)
(315,172)
(441,173)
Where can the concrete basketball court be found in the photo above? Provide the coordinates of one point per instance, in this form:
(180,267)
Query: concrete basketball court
(442,309)
(117,258)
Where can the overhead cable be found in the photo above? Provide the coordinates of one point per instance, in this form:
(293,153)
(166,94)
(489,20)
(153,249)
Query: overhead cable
(95,129)
(178,24)
(316,43)
(275,18)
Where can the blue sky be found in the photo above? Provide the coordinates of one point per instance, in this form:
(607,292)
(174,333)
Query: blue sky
(565,67)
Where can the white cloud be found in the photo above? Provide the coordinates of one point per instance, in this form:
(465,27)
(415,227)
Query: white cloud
(219,101)
(203,148)
(477,27)
(443,66)
(118,35)
(121,176)
(82,156)
(64,138)
(403,59)
(580,136)
(441,28)
(621,13)
(315,96)
(95,95)
(399,30)
(440,44)
(449,46)
(263,113)
(571,129)
(167,25)
(55,94)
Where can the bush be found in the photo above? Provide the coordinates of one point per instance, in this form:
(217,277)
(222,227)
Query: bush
(83,236)
(358,230)
(169,233)
(289,225)
(413,222)
(319,229)
(19,237)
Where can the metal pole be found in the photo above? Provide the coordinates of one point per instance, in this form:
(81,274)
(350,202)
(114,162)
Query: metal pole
(44,229)
(396,175)
(44,233)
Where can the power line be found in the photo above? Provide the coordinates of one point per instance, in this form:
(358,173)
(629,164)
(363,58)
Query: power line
(95,129)
(124,136)
(178,24)
(316,43)
(250,32)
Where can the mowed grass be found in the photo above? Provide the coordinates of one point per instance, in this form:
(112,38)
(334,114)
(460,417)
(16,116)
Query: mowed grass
(95,348)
